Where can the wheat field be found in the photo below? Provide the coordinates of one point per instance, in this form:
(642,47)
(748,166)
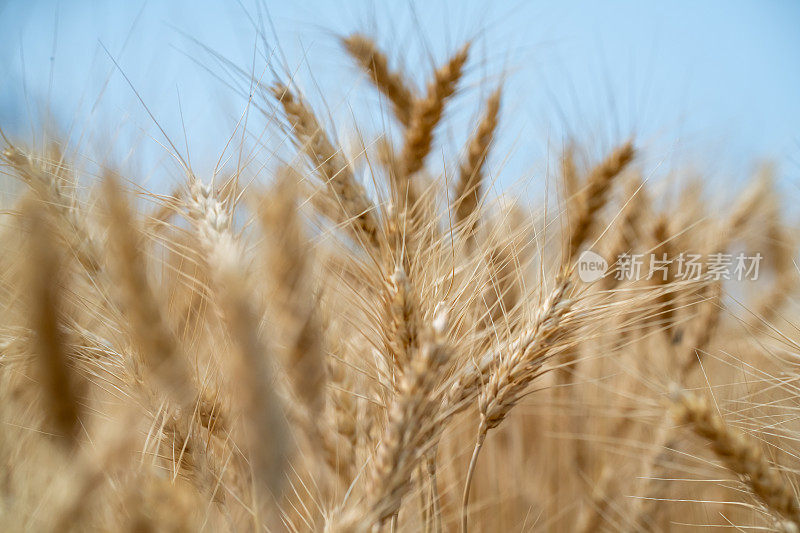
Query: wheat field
(350,340)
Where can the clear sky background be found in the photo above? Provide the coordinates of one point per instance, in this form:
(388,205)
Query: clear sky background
(714,85)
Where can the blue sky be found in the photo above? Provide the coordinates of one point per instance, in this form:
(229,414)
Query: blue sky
(712,85)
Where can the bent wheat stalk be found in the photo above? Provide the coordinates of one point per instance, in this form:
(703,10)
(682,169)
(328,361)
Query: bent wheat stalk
(517,368)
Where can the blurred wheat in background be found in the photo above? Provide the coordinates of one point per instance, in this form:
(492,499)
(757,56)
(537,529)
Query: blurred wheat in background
(340,332)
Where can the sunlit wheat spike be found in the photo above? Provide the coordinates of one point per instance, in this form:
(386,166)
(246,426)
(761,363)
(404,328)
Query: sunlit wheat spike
(518,366)
(595,194)
(401,316)
(470,178)
(427,112)
(741,455)
(263,421)
(391,84)
(408,434)
(48,179)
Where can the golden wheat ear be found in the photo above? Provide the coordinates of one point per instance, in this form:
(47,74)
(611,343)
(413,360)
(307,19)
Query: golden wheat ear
(470,178)
(50,181)
(517,366)
(410,432)
(261,415)
(595,195)
(356,211)
(427,112)
(58,379)
(401,323)
(376,65)
(740,455)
